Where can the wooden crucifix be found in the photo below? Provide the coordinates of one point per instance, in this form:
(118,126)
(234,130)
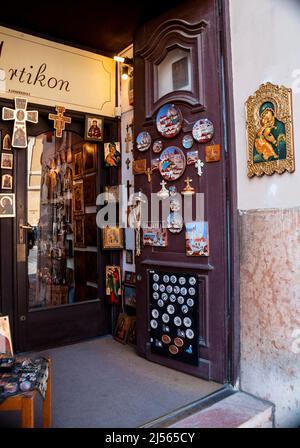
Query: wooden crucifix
(128,186)
(20,115)
(59,120)
(149,173)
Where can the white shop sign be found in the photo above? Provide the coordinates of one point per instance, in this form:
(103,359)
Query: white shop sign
(50,73)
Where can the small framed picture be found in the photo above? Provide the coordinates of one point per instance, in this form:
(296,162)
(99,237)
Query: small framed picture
(197,239)
(112,193)
(139,166)
(155,236)
(7,161)
(192,157)
(5,337)
(79,231)
(7,182)
(89,158)
(130,278)
(130,296)
(131,337)
(78,164)
(122,328)
(112,238)
(78,203)
(6,144)
(129,256)
(93,128)
(112,154)
(7,206)
(113,284)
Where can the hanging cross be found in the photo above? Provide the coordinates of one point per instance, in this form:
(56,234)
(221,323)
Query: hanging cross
(128,163)
(128,138)
(148,173)
(199,165)
(20,115)
(163,184)
(59,120)
(128,186)
(188,183)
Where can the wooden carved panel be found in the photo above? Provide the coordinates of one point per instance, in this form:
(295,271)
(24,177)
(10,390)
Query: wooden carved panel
(170,35)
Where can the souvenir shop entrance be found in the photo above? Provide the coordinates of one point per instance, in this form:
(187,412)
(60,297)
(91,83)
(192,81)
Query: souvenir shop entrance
(55,299)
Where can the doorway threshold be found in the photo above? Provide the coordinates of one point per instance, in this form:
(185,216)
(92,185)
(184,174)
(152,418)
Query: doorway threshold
(184,412)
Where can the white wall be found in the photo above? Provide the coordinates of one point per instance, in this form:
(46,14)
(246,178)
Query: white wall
(265,47)
(126,118)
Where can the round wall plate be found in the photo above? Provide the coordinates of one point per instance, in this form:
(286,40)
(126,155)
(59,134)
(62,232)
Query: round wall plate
(143,141)
(172,163)
(169,121)
(203,130)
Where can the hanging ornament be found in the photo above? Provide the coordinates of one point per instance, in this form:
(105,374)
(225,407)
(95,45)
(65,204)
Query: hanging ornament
(59,120)
(175,222)
(199,165)
(136,215)
(188,191)
(203,130)
(187,141)
(157,146)
(20,115)
(163,193)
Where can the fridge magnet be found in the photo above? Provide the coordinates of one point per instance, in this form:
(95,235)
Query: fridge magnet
(169,121)
(7,206)
(93,128)
(212,153)
(155,164)
(143,141)
(192,157)
(6,145)
(203,130)
(113,284)
(197,239)
(7,161)
(113,238)
(20,116)
(155,236)
(270,134)
(7,182)
(187,141)
(188,190)
(157,146)
(60,120)
(172,163)
(199,167)
(175,222)
(112,154)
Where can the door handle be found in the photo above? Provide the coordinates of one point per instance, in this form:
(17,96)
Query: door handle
(25,227)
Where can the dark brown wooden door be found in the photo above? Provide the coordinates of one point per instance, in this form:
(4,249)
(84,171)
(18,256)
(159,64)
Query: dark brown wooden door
(54,316)
(193,31)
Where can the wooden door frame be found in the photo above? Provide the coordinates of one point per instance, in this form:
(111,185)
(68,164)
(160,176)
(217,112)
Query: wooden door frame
(233,294)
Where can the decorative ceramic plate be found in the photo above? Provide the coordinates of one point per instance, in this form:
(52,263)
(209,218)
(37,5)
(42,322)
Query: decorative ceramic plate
(157,146)
(172,163)
(169,121)
(143,141)
(203,130)
(187,141)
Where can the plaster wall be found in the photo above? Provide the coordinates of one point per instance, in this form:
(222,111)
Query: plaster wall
(264,39)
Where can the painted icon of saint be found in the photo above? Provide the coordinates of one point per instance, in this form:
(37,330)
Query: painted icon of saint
(270,141)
